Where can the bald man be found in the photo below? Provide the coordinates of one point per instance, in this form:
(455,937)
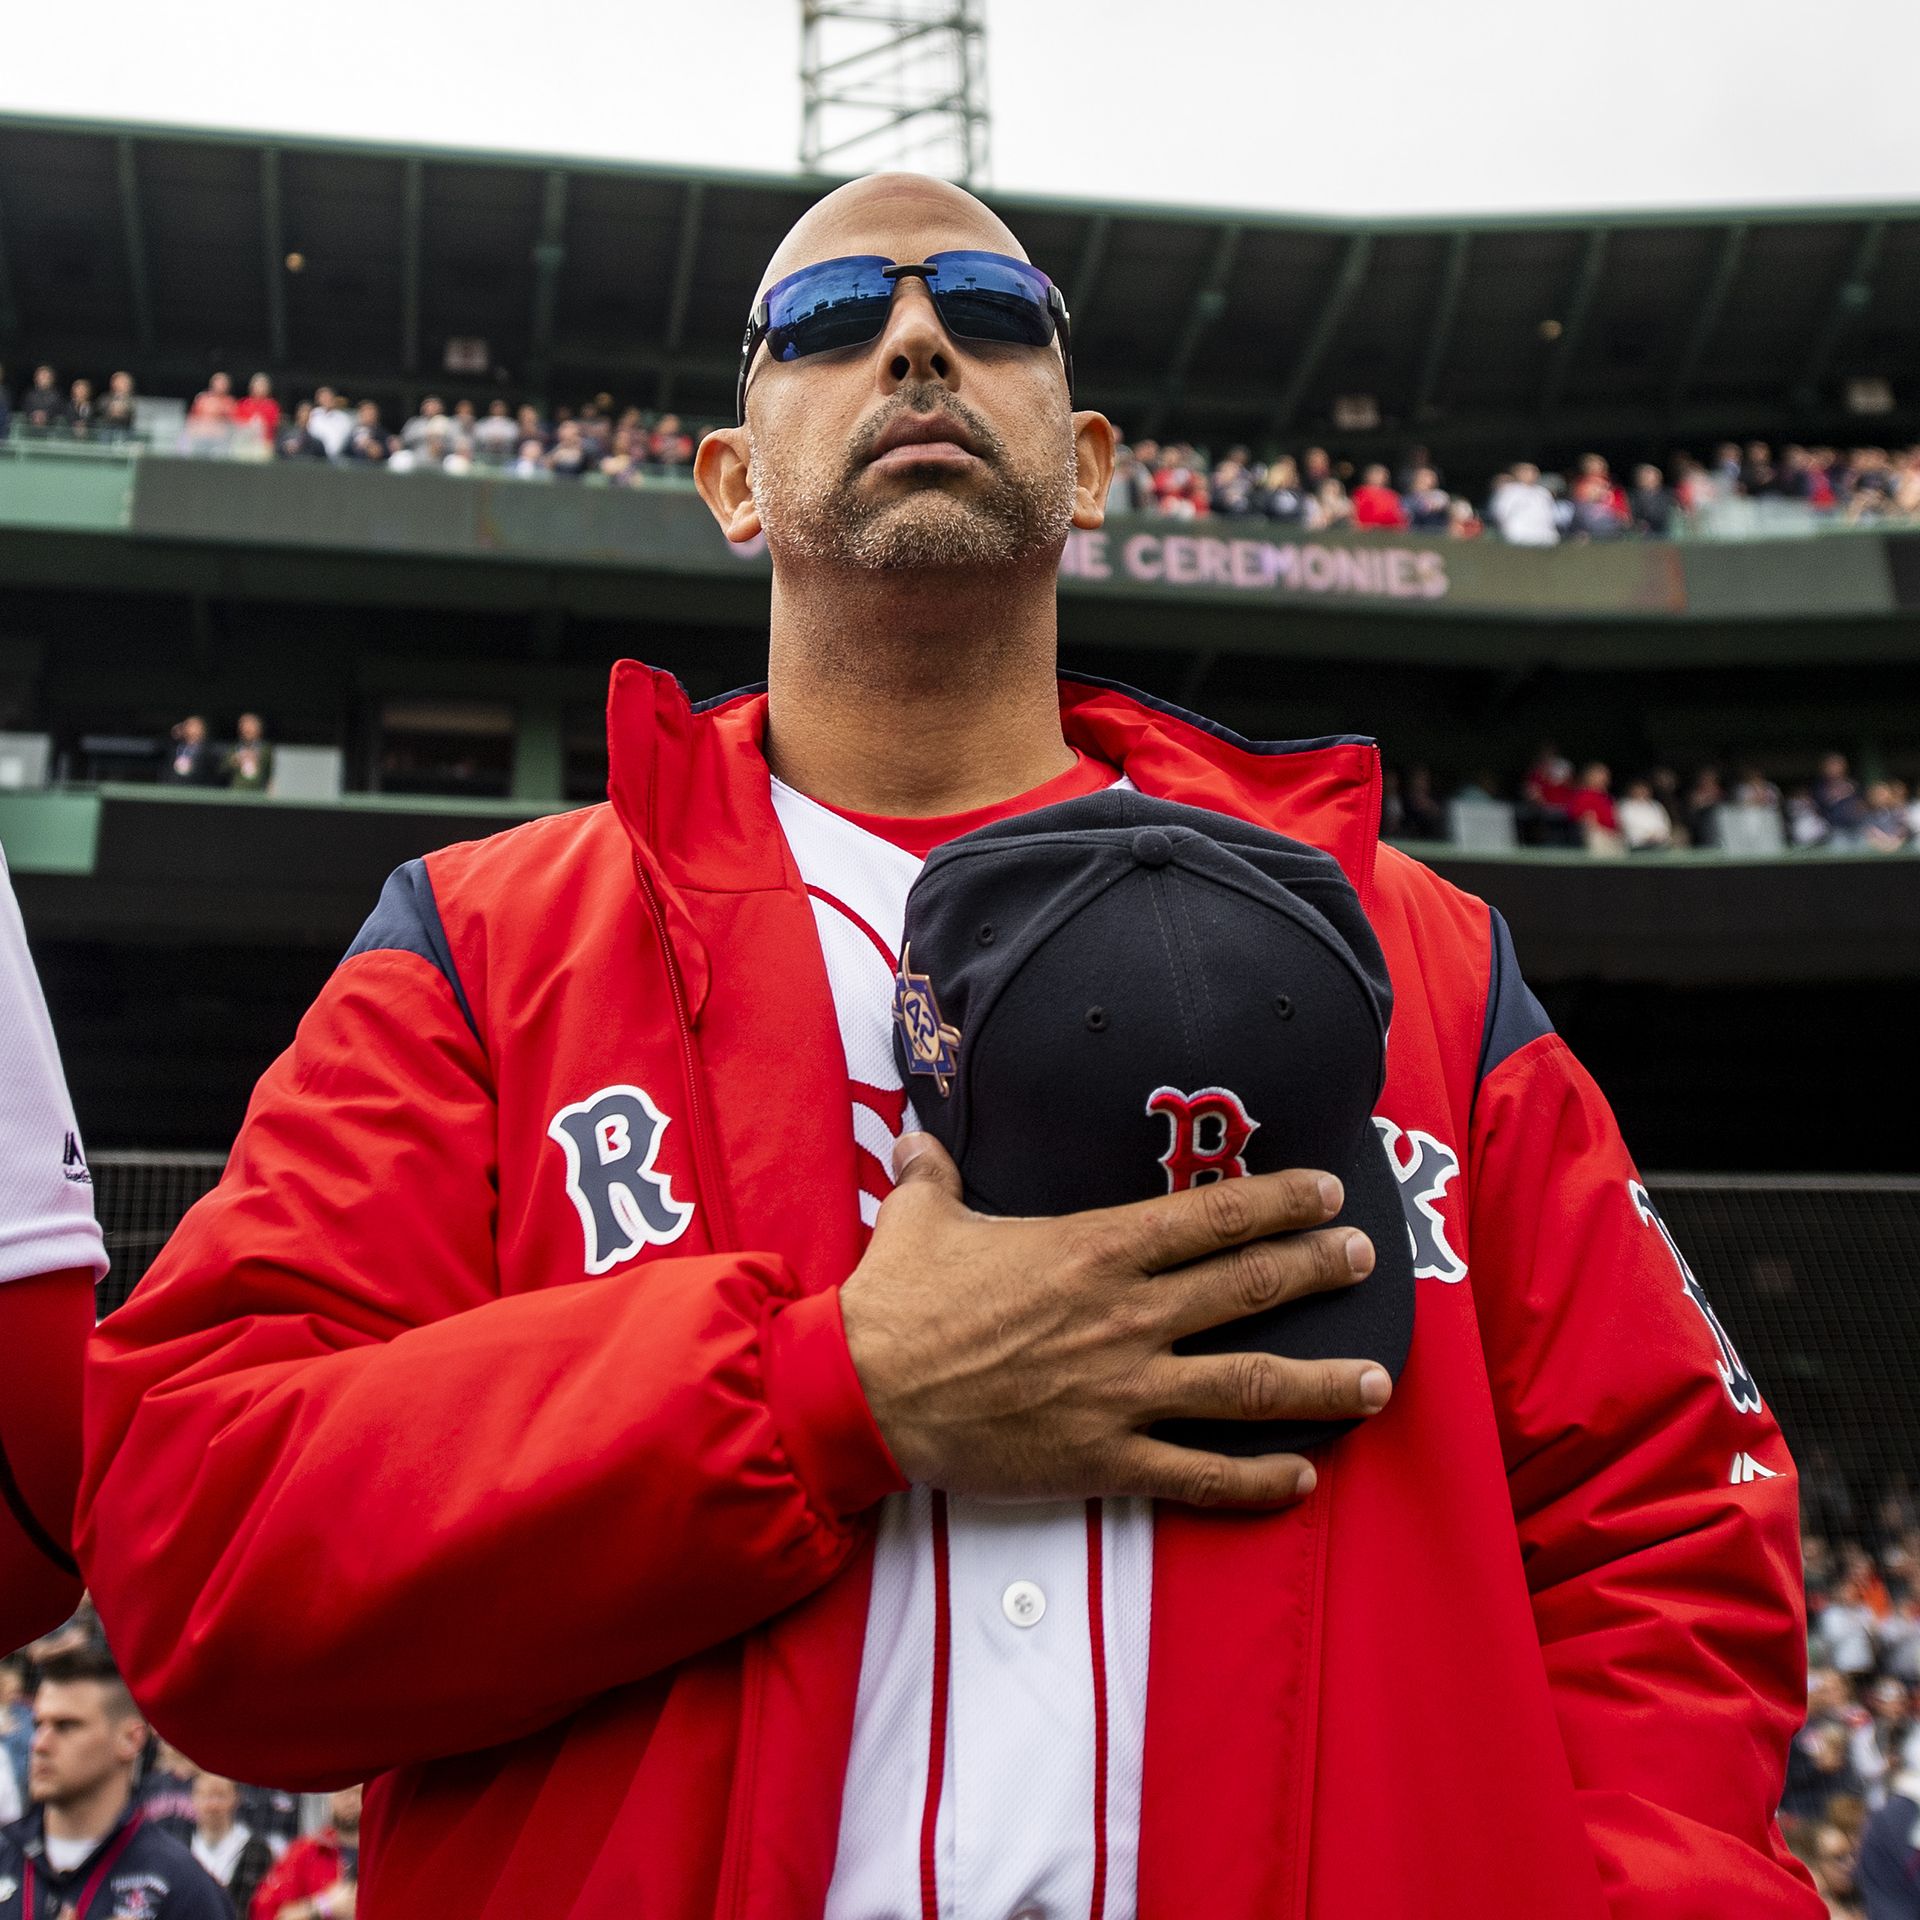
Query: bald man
(559,1414)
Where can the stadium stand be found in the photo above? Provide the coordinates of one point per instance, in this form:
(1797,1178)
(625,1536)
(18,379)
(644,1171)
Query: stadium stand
(1532,500)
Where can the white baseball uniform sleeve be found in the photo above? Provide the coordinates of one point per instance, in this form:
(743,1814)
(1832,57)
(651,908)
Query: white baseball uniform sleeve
(46,1192)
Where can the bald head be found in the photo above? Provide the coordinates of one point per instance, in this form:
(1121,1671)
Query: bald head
(904,216)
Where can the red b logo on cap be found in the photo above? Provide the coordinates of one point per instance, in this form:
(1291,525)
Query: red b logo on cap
(1210,1133)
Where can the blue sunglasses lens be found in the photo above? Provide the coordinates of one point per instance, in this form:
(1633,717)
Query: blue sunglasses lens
(839,303)
(987,296)
(844,303)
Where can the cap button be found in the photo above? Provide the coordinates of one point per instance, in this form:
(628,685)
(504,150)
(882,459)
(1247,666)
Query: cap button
(1151,847)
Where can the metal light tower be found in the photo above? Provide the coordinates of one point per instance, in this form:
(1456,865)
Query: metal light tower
(891,83)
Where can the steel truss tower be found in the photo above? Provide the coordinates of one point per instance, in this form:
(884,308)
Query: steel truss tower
(889,83)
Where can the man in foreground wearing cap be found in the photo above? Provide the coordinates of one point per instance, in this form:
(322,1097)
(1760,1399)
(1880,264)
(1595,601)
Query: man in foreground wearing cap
(557,1414)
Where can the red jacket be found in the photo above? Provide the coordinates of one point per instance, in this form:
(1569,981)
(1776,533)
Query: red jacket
(310,1865)
(381,1481)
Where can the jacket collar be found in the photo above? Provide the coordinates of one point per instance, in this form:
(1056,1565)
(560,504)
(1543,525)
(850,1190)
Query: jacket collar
(689,782)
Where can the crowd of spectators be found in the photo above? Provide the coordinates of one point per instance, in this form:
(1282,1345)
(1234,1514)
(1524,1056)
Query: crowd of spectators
(256,1853)
(1313,490)
(195,759)
(1556,805)
(570,443)
(1860,1746)
(283,1856)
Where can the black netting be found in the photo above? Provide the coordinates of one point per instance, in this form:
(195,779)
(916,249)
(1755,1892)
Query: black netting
(1818,1283)
(139,1199)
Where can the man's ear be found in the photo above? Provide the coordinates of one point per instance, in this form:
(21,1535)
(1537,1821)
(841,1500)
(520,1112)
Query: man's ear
(1093,444)
(720,472)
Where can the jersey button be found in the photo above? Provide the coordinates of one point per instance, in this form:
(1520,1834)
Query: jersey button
(1023,1603)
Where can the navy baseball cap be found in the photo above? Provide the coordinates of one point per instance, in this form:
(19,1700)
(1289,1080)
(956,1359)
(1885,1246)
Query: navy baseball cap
(1118,997)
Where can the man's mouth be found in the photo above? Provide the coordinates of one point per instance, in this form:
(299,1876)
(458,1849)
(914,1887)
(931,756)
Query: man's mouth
(923,440)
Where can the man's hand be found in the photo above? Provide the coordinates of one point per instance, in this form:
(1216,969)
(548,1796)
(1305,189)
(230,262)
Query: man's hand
(1022,1358)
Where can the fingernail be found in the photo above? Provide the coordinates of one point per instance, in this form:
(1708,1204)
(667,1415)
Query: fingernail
(906,1150)
(1331,1193)
(1308,1480)
(1375,1389)
(1359,1253)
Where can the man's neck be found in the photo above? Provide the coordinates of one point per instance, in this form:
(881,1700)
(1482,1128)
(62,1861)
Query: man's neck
(909,695)
(90,1816)
(214,1831)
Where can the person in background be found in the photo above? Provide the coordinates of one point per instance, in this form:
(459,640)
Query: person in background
(531,462)
(236,1857)
(84,1852)
(1231,489)
(1885,826)
(330,423)
(1332,509)
(571,457)
(1705,798)
(210,418)
(1591,805)
(529,426)
(1419,809)
(43,407)
(16,1738)
(1599,507)
(1429,505)
(249,761)
(166,1792)
(460,430)
(295,440)
(191,762)
(273,1814)
(318,1876)
(1522,510)
(1645,825)
(1754,789)
(1462,522)
(1839,801)
(1831,1856)
(118,408)
(1888,1872)
(368,441)
(80,409)
(1376,505)
(670,445)
(1758,474)
(259,412)
(496,437)
(1652,508)
(1287,501)
(1316,469)
(6,405)
(413,436)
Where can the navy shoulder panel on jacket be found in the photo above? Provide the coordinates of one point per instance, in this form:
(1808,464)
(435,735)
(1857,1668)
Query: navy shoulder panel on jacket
(406,919)
(1513,1016)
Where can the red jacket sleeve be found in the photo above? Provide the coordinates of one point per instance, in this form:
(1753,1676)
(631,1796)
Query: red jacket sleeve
(1665,1580)
(332,1474)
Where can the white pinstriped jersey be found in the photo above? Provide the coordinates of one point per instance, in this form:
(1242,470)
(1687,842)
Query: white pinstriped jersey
(46,1192)
(1013,1635)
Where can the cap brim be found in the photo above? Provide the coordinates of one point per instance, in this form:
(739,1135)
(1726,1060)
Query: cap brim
(1371,1320)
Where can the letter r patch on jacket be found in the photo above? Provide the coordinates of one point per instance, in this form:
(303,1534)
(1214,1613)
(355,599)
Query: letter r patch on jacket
(611,1140)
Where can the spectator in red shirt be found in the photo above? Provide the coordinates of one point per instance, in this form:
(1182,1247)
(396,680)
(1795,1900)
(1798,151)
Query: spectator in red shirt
(1591,802)
(259,411)
(317,1878)
(669,445)
(1375,504)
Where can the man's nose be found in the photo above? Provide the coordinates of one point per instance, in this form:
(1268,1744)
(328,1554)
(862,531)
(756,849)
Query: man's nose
(914,347)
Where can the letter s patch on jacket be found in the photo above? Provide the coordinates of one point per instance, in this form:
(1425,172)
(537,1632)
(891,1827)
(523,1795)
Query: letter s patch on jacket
(611,1140)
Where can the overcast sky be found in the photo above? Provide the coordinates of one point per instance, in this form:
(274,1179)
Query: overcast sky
(1392,106)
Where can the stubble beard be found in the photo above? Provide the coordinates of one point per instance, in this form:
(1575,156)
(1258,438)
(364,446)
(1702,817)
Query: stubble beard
(1010,520)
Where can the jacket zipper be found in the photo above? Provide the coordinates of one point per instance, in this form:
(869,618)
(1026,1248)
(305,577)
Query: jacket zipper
(706,1156)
